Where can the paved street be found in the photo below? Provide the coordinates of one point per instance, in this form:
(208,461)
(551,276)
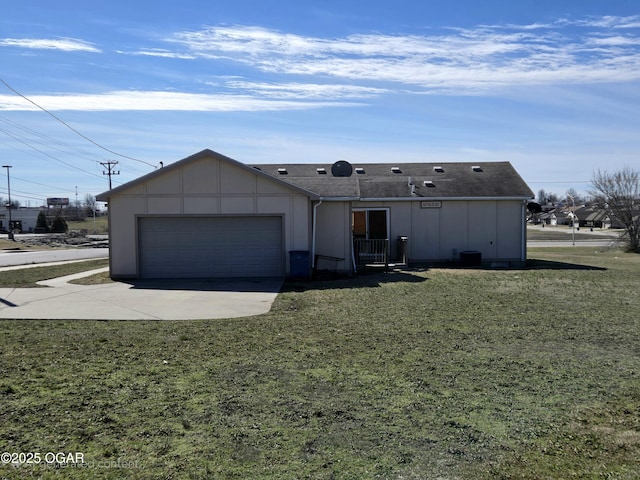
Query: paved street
(20,257)
(563,236)
(569,243)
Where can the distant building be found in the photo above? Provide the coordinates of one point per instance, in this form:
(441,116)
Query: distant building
(22,219)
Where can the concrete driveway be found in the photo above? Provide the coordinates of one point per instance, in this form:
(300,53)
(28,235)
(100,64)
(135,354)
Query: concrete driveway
(144,300)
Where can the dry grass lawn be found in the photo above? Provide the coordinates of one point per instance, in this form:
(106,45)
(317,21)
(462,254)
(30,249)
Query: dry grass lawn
(436,373)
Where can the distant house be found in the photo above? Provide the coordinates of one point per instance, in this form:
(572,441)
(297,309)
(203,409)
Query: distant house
(593,217)
(211,216)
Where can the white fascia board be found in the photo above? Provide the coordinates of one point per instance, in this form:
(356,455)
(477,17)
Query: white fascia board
(339,199)
(427,199)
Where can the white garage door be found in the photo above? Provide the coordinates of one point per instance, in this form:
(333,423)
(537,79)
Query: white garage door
(207,247)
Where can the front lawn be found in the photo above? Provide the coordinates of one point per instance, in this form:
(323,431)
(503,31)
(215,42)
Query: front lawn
(28,277)
(434,373)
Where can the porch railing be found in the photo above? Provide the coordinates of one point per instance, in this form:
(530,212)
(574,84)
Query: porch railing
(371,252)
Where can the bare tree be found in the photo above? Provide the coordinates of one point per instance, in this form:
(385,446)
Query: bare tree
(619,193)
(575,195)
(542,197)
(90,204)
(545,198)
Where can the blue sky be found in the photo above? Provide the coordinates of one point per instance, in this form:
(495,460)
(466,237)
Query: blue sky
(552,87)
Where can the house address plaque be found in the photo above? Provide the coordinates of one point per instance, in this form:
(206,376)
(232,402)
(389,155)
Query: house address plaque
(430,204)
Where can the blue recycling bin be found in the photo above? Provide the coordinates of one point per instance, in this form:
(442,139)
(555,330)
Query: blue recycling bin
(299,264)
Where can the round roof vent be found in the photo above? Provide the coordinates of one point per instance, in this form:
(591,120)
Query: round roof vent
(341,168)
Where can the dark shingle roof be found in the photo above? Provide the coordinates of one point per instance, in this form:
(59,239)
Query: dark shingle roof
(376,180)
(382,180)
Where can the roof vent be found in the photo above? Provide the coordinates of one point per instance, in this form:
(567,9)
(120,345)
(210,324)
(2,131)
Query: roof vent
(428,183)
(476,168)
(282,171)
(341,168)
(396,170)
(438,169)
(359,170)
(321,171)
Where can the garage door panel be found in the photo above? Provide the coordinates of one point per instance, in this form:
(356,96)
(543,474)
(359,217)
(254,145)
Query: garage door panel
(191,247)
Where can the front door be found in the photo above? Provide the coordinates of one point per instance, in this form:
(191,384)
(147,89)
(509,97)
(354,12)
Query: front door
(377,220)
(370,236)
(370,224)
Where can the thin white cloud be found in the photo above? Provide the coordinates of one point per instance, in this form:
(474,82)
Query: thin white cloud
(64,44)
(305,91)
(607,21)
(462,60)
(616,41)
(158,101)
(158,52)
(300,72)
(256,43)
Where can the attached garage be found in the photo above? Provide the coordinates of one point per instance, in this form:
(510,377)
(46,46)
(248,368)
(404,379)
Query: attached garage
(210,246)
(206,216)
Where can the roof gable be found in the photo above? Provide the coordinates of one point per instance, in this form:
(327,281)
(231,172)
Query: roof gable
(161,176)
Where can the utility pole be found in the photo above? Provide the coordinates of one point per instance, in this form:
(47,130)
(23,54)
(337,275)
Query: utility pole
(9,204)
(573,219)
(110,165)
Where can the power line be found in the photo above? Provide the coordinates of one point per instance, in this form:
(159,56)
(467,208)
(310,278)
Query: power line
(73,129)
(57,144)
(49,142)
(20,194)
(22,136)
(41,184)
(46,154)
(27,144)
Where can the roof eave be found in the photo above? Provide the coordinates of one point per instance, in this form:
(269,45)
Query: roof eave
(424,199)
(104,196)
(338,199)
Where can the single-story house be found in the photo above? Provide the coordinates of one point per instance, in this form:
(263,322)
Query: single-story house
(590,216)
(548,218)
(211,216)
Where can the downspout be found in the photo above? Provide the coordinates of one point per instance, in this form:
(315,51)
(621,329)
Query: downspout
(353,258)
(351,242)
(313,234)
(110,237)
(523,216)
